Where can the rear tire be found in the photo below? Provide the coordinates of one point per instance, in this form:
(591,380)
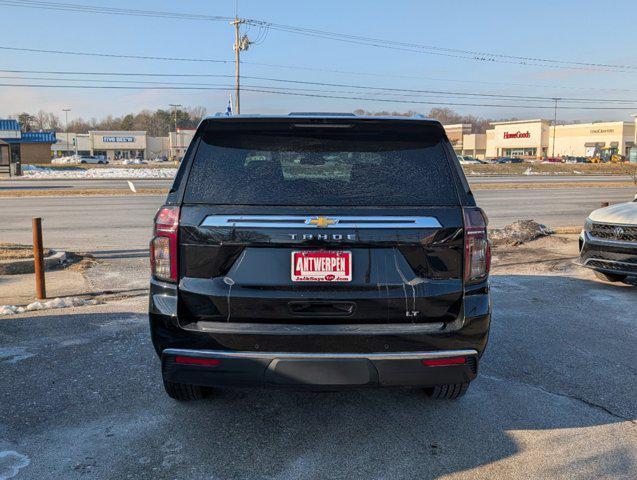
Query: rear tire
(611,277)
(447,392)
(183,392)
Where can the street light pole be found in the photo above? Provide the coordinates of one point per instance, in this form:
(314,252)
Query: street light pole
(554,125)
(66,120)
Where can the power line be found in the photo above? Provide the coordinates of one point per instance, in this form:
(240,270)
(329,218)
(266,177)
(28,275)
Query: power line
(114,55)
(281,92)
(165,83)
(451,52)
(293,67)
(383,90)
(482,56)
(73,7)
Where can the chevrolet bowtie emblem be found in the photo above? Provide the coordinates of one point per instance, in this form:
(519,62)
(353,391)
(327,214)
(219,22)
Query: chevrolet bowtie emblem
(321,222)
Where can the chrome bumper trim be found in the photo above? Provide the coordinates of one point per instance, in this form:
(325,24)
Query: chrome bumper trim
(312,221)
(318,356)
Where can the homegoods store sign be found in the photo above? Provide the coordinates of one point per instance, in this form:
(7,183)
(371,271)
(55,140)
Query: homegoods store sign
(526,134)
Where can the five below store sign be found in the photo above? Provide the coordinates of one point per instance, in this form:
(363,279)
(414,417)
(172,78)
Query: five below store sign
(526,134)
(118,139)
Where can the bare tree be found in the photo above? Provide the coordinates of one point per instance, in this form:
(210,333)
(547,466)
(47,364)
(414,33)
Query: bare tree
(43,121)
(445,116)
(157,123)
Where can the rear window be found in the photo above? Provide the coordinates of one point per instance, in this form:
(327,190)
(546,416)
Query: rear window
(348,166)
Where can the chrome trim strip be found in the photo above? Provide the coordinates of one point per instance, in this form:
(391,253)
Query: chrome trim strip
(612,224)
(590,238)
(294,221)
(318,356)
(326,329)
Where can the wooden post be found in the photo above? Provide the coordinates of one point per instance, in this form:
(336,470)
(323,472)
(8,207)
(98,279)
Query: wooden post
(605,204)
(38,259)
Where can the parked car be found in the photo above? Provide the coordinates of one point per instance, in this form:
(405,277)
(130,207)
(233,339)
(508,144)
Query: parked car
(294,252)
(509,160)
(466,160)
(608,243)
(571,159)
(92,159)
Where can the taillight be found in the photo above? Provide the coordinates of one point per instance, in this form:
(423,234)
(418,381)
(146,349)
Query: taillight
(163,246)
(477,249)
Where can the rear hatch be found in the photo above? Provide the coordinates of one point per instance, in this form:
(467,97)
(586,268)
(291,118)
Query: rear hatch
(332,221)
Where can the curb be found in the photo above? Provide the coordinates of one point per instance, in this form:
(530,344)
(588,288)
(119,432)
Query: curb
(25,265)
(568,230)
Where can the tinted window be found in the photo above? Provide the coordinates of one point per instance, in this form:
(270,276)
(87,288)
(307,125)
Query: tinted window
(320,167)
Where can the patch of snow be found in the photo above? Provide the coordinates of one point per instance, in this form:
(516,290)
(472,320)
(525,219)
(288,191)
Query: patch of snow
(11,462)
(519,232)
(136,161)
(37,172)
(47,305)
(13,355)
(66,160)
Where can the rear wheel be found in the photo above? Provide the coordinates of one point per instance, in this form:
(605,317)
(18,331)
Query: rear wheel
(184,392)
(447,392)
(610,277)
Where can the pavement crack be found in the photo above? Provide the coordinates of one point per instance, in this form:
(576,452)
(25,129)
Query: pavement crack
(586,402)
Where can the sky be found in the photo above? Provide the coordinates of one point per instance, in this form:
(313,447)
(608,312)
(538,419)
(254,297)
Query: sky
(584,31)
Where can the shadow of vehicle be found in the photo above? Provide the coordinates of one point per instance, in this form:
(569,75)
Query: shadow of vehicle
(555,398)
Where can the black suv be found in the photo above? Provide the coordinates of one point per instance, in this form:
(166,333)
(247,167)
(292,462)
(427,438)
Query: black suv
(322,251)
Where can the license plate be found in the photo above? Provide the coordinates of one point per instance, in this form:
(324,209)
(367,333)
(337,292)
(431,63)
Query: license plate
(321,266)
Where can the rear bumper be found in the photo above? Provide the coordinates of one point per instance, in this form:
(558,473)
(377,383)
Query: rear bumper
(407,369)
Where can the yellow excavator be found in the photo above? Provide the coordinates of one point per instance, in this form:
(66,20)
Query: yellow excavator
(607,155)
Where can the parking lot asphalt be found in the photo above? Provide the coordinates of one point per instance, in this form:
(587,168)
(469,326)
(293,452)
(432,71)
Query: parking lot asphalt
(555,398)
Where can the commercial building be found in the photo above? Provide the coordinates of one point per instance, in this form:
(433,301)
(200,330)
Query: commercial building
(179,142)
(584,140)
(69,143)
(158,147)
(521,138)
(456,134)
(534,139)
(118,145)
(111,144)
(475,145)
(24,147)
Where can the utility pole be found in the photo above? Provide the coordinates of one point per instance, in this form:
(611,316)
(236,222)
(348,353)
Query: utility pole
(237,48)
(66,120)
(554,124)
(175,105)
